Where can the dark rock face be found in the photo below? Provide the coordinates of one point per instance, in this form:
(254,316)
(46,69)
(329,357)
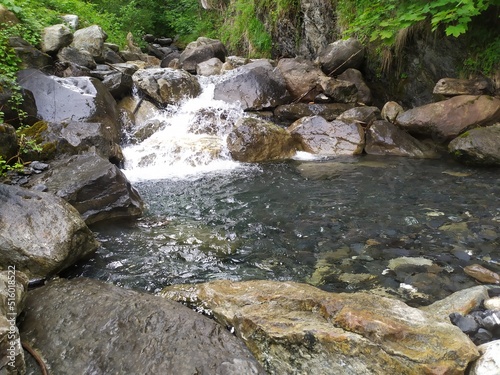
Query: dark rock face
(85,326)
(341,55)
(95,187)
(356,77)
(40,234)
(295,111)
(30,56)
(8,141)
(255,86)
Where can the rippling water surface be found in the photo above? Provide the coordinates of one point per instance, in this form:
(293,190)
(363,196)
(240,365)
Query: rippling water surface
(343,225)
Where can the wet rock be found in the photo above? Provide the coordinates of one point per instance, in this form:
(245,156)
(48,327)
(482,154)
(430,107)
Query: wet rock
(466,324)
(362,115)
(301,77)
(13,289)
(91,39)
(111,56)
(339,91)
(119,84)
(489,362)
(8,141)
(76,56)
(341,55)
(82,99)
(55,37)
(477,146)
(384,138)
(295,111)
(294,327)
(201,50)
(87,326)
(40,233)
(482,274)
(209,67)
(254,140)
(170,55)
(445,120)
(31,57)
(166,85)
(364,94)
(321,137)
(456,86)
(391,111)
(94,186)
(255,86)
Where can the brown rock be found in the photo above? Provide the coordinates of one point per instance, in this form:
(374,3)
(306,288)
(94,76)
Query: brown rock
(455,86)
(478,146)
(482,274)
(301,77)
(296,328)
(295,111)
(447,119)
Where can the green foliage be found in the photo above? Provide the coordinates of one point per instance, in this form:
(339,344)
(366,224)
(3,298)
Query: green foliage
(27,145)
(381,20)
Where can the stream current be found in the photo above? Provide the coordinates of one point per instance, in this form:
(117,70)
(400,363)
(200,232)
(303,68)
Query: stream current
(396,226)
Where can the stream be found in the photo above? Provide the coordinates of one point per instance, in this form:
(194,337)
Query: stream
(396,226)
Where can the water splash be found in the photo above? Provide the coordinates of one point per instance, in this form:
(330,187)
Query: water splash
(190,139)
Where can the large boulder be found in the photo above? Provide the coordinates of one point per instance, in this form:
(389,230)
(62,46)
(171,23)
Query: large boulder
(319,136)
(295,111)
(447,119)
(81,99)
(166,85)
(356,77)
(456,86)
(384,138)
(91,39)
(55,37)
(301,77)
(255,86)
(13,289)
(255,140)
(201,50)
(76,56)
(30,56)
(341,55)
(480,146)
(84,326)
(95,187)
(297,328)
(40,234)
(339,91)
(209,68)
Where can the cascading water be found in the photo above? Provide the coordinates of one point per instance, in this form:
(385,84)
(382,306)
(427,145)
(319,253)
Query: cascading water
(343,224)
(191,139)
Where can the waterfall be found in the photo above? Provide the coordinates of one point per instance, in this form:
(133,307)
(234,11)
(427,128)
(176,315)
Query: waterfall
(190,139)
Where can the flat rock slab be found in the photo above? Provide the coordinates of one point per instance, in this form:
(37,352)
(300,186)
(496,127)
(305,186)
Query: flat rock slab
(295,328)
(84,326)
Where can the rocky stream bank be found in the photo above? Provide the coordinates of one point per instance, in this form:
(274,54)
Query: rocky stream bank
(78,97)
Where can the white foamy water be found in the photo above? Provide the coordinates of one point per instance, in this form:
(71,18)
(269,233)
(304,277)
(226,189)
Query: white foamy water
(191,139)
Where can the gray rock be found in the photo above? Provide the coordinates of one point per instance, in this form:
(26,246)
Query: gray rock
(83,326)
(301,77)
(94,186)
(341,55)
(119,84)
(456,86)
(71,20)
(91,39)
(384,138)
(339,91)
(210,67)
(295,111)
(317,29)
(80,99)
(55,37)
(201,50)
(166,85)
(478,146)
(30,56)
(356,77)
(13,289)
(255,140)
(40,234)
(318,136)
(362,115)
(255,86)
(76,56)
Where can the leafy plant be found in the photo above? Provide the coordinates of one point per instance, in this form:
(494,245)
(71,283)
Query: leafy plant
(26,145)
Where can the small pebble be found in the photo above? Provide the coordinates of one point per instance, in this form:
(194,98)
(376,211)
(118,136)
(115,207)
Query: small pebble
(492,303)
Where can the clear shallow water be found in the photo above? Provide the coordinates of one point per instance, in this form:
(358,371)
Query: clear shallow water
(336,224)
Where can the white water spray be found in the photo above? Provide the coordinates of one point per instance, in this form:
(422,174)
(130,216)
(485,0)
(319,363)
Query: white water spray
(191,139)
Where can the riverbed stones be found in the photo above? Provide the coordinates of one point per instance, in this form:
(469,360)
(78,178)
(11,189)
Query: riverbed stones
(96,188)
(88,326)
(13,289)
(255,140)
(166,85)
(478,146)
(40,234)
(384,138)
(296,328)
(319,136)
(255,86)
(446,119)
